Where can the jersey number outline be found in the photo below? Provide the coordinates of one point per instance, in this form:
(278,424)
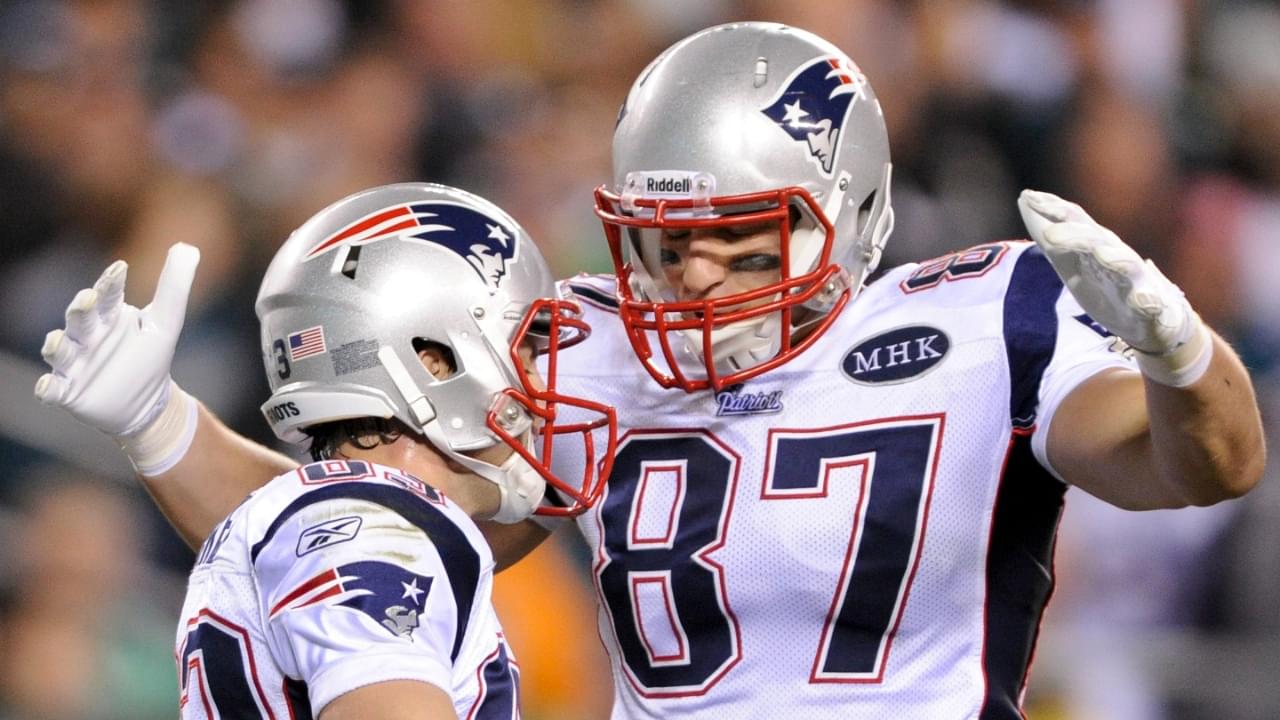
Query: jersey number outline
(216,660)
(896,462)
(971,263)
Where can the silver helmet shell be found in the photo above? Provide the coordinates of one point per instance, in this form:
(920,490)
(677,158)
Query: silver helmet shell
(728,113)
(356,287)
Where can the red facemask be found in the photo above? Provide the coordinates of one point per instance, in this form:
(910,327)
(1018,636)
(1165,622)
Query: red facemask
(553,325)
(651,322)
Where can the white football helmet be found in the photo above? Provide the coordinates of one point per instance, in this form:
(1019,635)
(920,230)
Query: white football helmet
(355,291)
(734,126)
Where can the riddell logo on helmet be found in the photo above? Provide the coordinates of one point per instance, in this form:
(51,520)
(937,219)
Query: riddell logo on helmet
(667,185)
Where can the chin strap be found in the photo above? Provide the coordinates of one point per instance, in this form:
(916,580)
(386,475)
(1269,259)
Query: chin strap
(520,486)
(521,489)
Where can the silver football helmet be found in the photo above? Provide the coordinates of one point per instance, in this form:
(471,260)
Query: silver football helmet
(356,290)
(735,126)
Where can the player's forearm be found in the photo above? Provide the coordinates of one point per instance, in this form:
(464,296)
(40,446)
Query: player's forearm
(1206,439)
(1141,445)
(1185,432)
(212,478)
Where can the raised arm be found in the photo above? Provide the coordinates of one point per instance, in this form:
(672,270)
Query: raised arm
(1187,430)
(110,370)
(219,468)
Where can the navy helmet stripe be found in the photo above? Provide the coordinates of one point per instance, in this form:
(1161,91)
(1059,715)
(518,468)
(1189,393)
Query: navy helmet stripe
(1030,331)
(461,561)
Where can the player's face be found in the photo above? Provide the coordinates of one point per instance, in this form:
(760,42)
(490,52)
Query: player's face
(528,357)
(710,263)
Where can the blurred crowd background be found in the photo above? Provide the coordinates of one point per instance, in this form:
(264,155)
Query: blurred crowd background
(126,125)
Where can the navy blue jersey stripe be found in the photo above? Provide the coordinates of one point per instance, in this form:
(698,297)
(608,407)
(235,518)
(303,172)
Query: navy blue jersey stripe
(1030,331)
(461,561)
(299,700)
(1019,576)
(594,294)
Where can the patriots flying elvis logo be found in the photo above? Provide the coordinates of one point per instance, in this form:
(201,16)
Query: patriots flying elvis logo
(393,596)
(486,243)
(814,103)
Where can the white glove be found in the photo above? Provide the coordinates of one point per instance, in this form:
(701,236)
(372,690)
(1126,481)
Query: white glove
(111,364)
(1122,292)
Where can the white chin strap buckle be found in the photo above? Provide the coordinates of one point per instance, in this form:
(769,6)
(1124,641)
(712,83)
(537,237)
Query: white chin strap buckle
(521,488)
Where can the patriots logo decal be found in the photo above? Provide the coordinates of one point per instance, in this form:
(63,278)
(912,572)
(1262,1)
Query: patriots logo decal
(813,105)
(486,243)
(393,596)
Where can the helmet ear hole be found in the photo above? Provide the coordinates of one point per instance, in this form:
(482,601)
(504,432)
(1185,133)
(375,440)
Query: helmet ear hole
(439,354)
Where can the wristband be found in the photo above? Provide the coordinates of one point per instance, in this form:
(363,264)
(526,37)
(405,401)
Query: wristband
(163,442)
(1182,366)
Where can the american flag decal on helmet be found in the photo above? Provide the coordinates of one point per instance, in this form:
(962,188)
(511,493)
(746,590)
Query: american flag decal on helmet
(814,102)
(487,243)
(305,343)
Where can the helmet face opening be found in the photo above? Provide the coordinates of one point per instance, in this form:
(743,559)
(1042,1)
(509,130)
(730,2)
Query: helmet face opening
(695,337)
(551,326)
(738,123)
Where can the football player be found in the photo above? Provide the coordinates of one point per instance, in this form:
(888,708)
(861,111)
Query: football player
(358,586)
(833,499)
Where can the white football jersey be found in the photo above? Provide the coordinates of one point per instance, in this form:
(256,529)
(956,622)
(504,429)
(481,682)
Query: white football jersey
(334,576)
(864,533)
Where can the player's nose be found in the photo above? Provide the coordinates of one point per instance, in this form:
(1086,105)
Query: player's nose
(702,274)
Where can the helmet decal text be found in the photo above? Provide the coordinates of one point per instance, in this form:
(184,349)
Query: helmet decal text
(486,243)
(814,103)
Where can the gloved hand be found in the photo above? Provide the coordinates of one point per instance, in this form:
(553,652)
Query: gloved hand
(111,363)
(1122,292)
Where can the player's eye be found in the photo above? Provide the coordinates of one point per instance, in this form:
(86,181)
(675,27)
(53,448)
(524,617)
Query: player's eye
(669,257)
(756,262)
(675,233)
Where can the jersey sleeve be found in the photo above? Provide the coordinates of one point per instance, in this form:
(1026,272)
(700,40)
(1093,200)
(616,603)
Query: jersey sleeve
(355,590)
(1082,349)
